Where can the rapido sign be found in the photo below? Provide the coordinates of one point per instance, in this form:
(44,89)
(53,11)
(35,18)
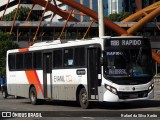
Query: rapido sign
(125,43)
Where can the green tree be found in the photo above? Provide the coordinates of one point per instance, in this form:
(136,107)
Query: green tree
(21,15)
(6,43)
(117,17)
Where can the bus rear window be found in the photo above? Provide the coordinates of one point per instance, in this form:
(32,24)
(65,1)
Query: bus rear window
(11,61)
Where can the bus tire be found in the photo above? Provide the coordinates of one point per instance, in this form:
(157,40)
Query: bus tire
(125,104)
(83,99)
(16,97)
(33,96)
(4,94)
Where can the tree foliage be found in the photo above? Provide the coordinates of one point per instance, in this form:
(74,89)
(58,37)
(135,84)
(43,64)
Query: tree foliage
(21,15)
(6,43)
(117,17)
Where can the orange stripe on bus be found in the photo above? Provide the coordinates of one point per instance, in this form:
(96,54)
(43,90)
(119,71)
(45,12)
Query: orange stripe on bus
(23,50)
(33,79)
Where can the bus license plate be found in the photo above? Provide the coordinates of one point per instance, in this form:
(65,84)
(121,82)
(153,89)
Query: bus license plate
(133,96)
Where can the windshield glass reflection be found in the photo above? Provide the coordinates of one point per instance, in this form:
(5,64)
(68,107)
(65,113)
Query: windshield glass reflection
(127,62)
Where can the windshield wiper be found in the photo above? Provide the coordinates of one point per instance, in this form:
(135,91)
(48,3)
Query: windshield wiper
(139,54)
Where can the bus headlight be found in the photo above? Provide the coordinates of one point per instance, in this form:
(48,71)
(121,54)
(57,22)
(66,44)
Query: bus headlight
(111,89)
(151,87)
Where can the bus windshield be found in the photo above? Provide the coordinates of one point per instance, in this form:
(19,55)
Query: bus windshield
(127,62)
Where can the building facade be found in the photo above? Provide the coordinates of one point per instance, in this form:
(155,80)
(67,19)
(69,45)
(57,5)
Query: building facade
(115,6)
(92,4)
(134,5)
(110,7)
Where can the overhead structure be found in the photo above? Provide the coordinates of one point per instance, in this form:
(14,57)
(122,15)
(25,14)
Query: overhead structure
(34,38)
(147,14)
(81,8)
(144,21)
(94,15)
(142,12)
(54,9)
(15,16)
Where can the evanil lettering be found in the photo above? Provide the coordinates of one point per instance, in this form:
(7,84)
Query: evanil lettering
(131,42)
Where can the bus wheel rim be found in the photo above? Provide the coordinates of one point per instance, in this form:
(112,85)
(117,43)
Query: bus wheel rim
(84,98)
(33,96)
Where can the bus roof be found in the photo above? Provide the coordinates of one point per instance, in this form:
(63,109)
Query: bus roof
(73,42)
(65,43)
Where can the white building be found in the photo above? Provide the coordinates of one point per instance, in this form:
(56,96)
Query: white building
(13,4)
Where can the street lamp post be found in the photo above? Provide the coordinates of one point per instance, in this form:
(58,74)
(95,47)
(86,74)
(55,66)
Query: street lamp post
(100,18)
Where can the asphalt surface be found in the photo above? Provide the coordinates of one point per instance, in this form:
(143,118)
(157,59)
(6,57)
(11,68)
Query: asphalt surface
(62,110)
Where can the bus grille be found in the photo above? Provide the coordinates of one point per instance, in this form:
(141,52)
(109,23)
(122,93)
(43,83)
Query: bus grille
(132,95)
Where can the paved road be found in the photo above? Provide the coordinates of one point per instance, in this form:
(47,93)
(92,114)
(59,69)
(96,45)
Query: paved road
(61,110)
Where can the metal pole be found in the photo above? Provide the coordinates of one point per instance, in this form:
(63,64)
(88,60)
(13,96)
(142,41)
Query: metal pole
(30,12)
(82,17)
(55,3)
(100,18)
(28,15)
(34,38)
(17,35)
(15,16)
(65,24)
(50,21)
(88,29)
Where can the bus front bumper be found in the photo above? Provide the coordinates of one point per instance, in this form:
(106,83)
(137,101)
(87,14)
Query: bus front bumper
(127,96)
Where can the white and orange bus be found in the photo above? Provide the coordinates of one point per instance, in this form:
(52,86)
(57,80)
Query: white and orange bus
(115,69)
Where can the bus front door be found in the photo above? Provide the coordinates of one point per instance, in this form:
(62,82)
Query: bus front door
(47,75)
(92,70)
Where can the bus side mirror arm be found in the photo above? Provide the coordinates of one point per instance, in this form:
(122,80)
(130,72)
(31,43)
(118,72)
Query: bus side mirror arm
(101,61)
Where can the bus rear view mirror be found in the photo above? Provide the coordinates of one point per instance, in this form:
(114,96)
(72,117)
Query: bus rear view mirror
(101,61)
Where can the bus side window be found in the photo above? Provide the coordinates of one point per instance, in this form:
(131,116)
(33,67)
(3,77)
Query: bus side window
(57,58)
(11,61)
(37,60)
(19,61)
(68,57)
(79,57)
(28,60)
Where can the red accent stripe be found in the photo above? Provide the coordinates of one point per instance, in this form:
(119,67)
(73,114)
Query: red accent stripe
(33,79)
(41,88)
(23,50)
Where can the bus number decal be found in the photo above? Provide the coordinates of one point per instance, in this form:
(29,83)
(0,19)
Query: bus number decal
(115,43)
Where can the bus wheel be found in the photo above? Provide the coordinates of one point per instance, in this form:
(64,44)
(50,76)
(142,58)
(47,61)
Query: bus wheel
(16,97)
(33,96)
(83,99)
(4,94)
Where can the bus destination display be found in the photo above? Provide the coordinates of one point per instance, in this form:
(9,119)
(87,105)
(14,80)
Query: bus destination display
(124,43)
